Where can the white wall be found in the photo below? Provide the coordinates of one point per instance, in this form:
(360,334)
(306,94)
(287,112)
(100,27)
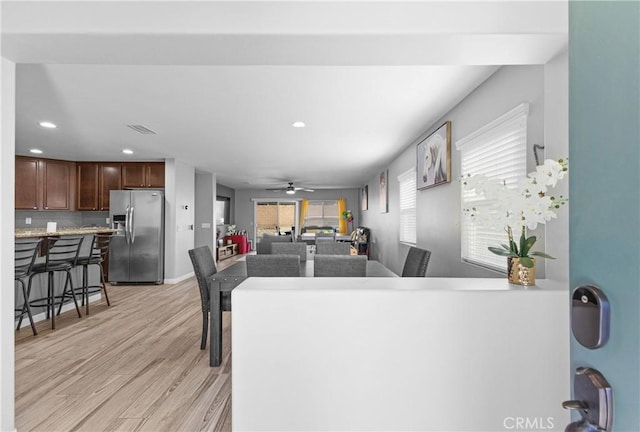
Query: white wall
(244,205)
(179,234)
(7,186)
(439,207)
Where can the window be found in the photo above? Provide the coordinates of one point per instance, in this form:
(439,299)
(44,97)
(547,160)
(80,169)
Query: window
(407,182)
(275,217)
(322,213)
(497,150)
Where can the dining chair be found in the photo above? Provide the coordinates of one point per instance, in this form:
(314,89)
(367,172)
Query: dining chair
(204,267)
(333,248)
(25,254)
(299,249)
(273,265)
(415,265)
(340,266)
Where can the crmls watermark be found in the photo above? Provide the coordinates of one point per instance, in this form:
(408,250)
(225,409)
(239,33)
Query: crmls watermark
(528,423)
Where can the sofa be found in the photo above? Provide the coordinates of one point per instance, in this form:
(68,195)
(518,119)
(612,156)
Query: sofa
(264,245)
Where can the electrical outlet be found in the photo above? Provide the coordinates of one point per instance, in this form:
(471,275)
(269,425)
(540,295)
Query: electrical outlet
(27,221)
(108,221)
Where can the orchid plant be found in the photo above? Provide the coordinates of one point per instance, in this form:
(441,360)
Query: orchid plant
(522,207)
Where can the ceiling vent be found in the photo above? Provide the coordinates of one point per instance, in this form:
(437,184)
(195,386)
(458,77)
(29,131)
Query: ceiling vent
(142,129)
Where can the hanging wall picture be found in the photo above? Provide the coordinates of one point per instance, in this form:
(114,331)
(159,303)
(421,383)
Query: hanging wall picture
(433,154)
(384,192)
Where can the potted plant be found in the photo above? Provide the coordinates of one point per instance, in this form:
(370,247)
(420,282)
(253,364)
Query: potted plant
(522,207)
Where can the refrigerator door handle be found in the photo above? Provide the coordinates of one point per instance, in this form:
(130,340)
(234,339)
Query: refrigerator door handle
(127,225)
(133,227)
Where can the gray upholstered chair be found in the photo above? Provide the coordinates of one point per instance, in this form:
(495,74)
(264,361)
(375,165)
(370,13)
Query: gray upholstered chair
(333,248)
(204,267)
(340,266)
(290,249)
(264,245)
(415,265)
(273,265)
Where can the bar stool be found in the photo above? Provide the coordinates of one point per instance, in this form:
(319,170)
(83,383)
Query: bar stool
(62,256)
(98,255)
(26,252)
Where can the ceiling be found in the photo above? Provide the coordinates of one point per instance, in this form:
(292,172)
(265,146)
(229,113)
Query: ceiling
(221,82)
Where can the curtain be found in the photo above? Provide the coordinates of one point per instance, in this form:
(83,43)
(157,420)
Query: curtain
(342,222)
(304,205)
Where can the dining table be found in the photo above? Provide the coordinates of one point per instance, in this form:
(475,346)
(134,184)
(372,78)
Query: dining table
(223,282)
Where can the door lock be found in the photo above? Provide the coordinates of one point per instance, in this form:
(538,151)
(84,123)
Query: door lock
(593,400)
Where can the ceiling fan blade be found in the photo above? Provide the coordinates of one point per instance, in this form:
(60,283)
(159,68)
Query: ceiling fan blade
(275,189)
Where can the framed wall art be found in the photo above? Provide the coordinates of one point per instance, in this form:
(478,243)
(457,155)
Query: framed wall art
(384,192)
(433,158)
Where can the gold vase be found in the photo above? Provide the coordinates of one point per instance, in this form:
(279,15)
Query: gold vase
(519,274)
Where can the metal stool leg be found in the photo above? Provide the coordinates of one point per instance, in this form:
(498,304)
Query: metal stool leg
(26,309)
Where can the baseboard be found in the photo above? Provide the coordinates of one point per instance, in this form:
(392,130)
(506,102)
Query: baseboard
(179,279)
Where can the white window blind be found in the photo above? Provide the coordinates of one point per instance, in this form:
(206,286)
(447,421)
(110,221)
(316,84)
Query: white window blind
(407,182)
(497,150)
(322,213)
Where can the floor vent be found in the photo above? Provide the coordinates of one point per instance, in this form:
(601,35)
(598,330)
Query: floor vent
(142,129)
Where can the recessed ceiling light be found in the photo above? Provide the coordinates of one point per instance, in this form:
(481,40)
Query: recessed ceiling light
(127,151)
(298,124)
(36,151)
(49,125)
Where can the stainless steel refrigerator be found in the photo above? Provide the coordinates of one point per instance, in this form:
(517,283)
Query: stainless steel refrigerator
(136,253)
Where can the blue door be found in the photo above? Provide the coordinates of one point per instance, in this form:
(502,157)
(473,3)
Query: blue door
(604,157)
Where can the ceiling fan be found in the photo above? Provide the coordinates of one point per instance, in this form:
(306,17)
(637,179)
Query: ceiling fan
(291,189)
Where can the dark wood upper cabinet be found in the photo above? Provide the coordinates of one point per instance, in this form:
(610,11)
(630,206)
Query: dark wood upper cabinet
(87,189)
(58,178)
(133,175)
(26,186)
(155,174)
(110,179)
(142,174)
(44,184)
(95,181)
(50,184)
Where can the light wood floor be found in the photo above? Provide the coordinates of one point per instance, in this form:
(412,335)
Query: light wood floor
(134,366)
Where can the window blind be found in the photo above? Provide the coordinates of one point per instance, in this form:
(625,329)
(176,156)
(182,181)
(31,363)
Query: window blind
(408,227)
(322,213)
(497,150)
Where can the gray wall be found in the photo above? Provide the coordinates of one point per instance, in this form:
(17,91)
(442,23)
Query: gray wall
(244,203)
(179,236)
(438,208)
(205,191)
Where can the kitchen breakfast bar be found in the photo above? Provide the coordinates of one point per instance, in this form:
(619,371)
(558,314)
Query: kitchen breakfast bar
(40,281)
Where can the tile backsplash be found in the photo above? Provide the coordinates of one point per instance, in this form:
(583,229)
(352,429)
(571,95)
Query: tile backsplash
(65,219)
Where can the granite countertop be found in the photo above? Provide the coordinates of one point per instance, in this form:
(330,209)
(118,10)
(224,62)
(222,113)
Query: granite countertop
(42,232)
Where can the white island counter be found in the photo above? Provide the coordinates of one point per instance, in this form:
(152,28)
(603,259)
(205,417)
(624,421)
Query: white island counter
(429,354)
